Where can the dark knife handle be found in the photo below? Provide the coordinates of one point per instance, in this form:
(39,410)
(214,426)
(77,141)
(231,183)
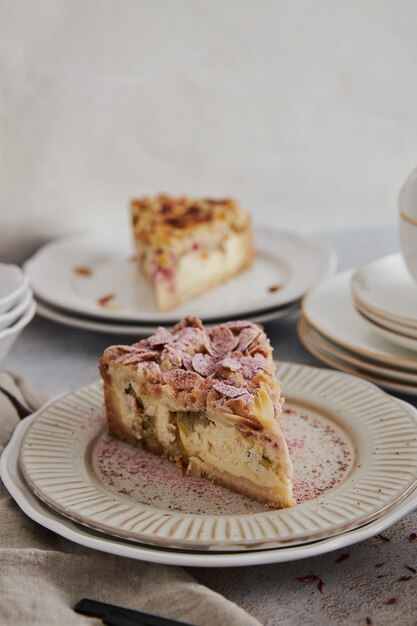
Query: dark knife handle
(86,606)
(119,619)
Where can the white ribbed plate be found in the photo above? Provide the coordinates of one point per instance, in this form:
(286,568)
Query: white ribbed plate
(38,511)
(340,429)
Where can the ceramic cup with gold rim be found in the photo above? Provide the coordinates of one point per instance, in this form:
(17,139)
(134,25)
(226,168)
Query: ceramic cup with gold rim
(407,201)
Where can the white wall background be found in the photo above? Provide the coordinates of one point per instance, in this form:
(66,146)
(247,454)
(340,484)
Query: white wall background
(304,110)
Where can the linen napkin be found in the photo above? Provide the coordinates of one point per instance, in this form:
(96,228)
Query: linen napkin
(42,575)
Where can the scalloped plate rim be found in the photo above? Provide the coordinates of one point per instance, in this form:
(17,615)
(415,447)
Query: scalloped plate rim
(36,510)
(221,541)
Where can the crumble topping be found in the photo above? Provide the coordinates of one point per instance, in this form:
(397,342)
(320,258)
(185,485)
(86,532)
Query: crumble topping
(105,300)
(228,367)
(160,219)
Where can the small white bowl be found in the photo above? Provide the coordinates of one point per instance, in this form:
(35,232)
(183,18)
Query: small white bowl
(13,283)
(9,335)
(407,202)
(11,316)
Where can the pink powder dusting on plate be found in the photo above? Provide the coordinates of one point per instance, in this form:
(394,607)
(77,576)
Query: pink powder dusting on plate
(320,452)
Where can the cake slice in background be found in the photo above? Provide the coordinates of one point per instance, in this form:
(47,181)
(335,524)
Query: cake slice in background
(186,246)
(206,399)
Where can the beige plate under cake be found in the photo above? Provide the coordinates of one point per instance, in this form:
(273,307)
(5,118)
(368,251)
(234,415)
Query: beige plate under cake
(354,450)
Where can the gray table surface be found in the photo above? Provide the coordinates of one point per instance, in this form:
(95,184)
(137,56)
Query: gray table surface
(56,358)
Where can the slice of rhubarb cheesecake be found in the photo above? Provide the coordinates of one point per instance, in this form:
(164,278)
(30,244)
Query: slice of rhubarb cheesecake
(206,399)
(186,246)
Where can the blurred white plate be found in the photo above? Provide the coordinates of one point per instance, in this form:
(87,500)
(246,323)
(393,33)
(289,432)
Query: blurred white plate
(385,287)
(383,321)
(388,331)
(306,331)
(126,328)
(13,283)
(330,310)
(285,259)
(328,353)
(9,335)
(11,316)
(35,509)
(365,465)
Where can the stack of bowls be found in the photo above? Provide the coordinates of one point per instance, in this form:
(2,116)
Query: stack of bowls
(17,306)
(385,296)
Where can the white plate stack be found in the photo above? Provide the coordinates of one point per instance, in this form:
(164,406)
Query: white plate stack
(364,322)
(386,297)
(17,307)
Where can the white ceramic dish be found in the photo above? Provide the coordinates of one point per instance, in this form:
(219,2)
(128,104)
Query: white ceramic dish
(283,259)
(308,333)
(385,287)
(9,335)
(11,316)
(126,328)
(340,364)
(319,350)
(384,383)
(395,336)
(13,283)
(330,310)
(407,201)
(46,517)
(400,329)
(362,441)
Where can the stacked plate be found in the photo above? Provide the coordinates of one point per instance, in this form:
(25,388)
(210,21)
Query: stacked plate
(364,322)
(385,295)
(354,450)
(92,281)
(16,305)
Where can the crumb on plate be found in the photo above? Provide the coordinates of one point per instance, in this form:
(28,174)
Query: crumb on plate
(105,300)
(274,288)
(83,270)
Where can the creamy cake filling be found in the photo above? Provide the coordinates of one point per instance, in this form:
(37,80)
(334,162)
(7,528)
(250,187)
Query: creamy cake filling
(188,437)
(180,277)
(186,246)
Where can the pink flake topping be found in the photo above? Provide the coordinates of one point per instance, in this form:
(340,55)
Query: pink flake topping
(223,360)
(229,390)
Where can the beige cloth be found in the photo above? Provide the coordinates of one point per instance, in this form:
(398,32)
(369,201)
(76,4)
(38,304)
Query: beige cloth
(42,575)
